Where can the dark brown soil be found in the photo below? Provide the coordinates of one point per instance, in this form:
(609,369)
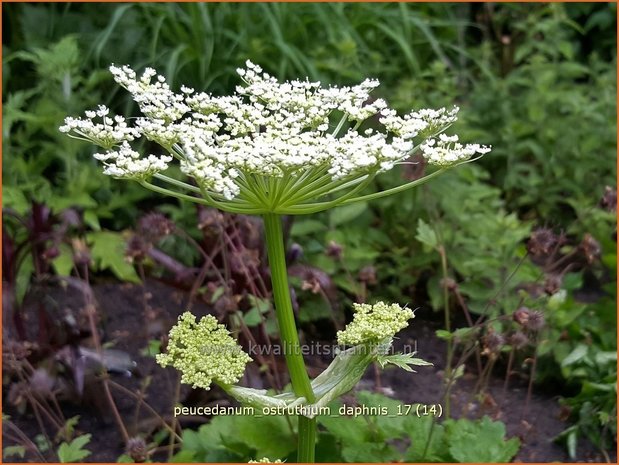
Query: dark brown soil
(130,319)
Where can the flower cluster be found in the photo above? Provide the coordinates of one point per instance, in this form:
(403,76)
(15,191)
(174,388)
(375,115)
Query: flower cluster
(204,352)
(156,100)
(426,121)
(374,323)
(446,150)
(107,133)
(285,136)
(127,163)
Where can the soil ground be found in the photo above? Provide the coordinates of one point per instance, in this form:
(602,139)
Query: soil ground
(129,322)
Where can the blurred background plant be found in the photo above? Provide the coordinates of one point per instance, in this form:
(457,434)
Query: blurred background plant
(531,226)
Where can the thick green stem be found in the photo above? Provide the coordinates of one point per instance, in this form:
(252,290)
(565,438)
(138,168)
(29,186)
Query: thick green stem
(448,371)
(288,331)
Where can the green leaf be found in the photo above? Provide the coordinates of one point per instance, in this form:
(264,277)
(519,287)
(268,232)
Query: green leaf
(427,440)
(402,361)
(426,235)
(341,215)
(444,334)
(306,227)
(327,449)
(579,352)
(192,441)
(184,456)
(259,306)
(346,429)
(10,451)
(63,263)
(69,428)
(22,283)
(153,348)
(217,294)
(371,452)
(571,442)
(604,357)
(161,436)
(239,439)
(82,200)
(314,308)
(14,198)
(262,305)
(392,424)
(556,300)
(480,441)
(108,252)
(92,220)
(269,435)
(74,451)
(252,318)
(41,442)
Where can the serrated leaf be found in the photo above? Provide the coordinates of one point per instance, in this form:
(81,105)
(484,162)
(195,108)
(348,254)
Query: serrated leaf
(403,361)
(108,252)
(480,441)
(269,435)
(391,424)
(349,430)
(74,451)
(370,452)
(426,235)
(69,428)
(92,220)
(427,440)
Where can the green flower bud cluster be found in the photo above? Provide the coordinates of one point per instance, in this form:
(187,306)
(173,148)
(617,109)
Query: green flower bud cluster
(204,352)
(374,323)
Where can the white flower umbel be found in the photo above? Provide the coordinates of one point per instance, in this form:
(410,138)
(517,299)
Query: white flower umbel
(156,100)
(107,133)
(127,163)
(295,147)
(446,150)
